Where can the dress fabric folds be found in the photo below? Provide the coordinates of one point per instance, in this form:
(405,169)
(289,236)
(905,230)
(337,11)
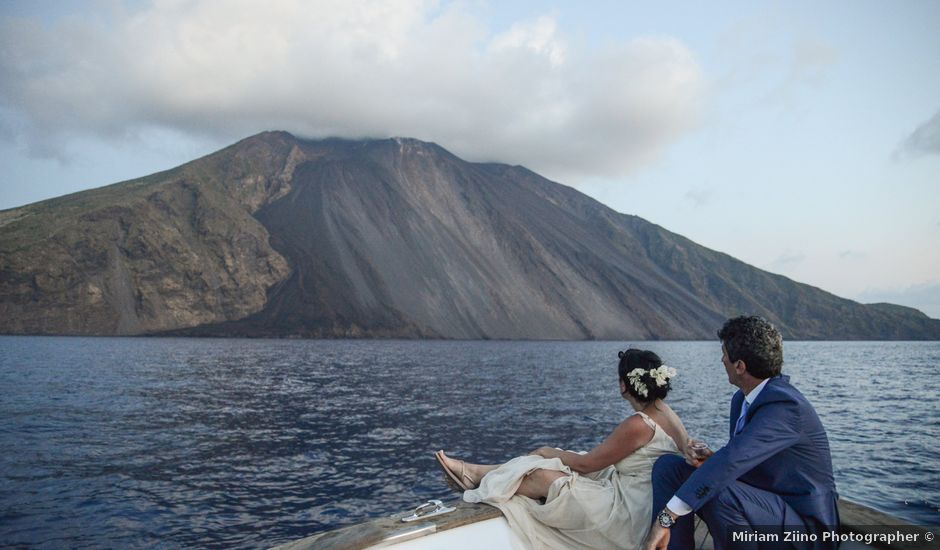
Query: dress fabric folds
(610,508)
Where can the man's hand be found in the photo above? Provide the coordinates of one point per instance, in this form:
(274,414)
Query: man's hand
(658,539)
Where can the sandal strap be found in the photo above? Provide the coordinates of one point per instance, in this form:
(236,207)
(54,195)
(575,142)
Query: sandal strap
(464,474)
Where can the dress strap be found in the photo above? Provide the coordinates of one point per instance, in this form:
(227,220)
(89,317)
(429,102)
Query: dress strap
(649,421)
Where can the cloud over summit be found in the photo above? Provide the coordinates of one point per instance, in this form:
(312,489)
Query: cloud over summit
(524,94)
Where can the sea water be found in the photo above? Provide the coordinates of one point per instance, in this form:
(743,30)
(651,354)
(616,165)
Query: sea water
(151,442)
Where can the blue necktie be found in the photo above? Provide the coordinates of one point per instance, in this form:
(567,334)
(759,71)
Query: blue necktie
(740,425)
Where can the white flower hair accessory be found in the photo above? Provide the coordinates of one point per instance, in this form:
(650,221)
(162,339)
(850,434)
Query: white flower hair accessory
(635,381)
(660,375)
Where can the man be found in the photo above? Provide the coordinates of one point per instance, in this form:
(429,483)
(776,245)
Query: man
(774,474)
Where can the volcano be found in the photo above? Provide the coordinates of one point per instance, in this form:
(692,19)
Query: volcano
(277,236)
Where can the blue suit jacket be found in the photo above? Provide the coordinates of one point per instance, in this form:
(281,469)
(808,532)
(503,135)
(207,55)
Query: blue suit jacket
(782,449)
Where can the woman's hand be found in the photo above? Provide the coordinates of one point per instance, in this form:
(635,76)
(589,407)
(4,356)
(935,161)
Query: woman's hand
(696,452)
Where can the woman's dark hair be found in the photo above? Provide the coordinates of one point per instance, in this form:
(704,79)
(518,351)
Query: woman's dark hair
(633,359)
(756,342)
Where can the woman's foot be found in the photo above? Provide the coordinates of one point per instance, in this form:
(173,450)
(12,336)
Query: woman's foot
(459,474)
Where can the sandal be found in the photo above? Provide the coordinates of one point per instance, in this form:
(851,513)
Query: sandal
(455,481)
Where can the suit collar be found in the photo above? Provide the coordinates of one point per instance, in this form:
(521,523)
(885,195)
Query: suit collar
(755,392)
(769,384)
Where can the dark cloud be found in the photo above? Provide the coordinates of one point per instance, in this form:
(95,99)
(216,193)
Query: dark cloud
(925,140)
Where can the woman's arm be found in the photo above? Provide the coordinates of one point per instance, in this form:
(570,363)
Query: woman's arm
(683,442)
(626,438)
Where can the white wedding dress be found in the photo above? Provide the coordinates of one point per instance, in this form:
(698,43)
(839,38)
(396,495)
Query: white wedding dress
(610,508)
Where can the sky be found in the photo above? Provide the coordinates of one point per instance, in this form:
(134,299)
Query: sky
(800,137)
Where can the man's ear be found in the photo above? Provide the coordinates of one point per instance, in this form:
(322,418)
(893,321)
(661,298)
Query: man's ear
(740,367)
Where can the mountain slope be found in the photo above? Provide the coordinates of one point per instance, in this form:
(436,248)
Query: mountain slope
(277,236)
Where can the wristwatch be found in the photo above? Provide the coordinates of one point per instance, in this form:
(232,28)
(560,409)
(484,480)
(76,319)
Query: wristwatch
(665,519)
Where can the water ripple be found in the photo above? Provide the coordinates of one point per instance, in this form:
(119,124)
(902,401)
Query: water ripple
(167,443)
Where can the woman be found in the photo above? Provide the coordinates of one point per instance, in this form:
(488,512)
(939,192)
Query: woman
(599,499)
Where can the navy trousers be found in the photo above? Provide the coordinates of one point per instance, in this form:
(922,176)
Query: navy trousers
(737,509)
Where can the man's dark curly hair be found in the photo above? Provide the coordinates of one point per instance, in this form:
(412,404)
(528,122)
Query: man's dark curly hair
(756,342)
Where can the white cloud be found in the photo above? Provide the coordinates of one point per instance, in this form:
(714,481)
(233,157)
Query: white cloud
(414,68)
(538,36)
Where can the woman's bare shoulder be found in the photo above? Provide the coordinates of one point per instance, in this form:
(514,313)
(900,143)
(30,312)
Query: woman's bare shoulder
(636,424)
(671,423)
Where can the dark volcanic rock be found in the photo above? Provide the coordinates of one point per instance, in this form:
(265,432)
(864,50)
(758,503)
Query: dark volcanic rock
(276,236)
(175,249)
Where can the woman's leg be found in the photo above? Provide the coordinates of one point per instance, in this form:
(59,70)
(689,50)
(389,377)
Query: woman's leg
(535,485)
(475,471)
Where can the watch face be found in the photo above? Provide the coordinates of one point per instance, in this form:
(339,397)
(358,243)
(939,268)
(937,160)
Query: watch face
(665,519)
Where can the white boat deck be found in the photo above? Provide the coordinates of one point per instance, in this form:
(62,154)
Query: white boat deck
(476,526)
